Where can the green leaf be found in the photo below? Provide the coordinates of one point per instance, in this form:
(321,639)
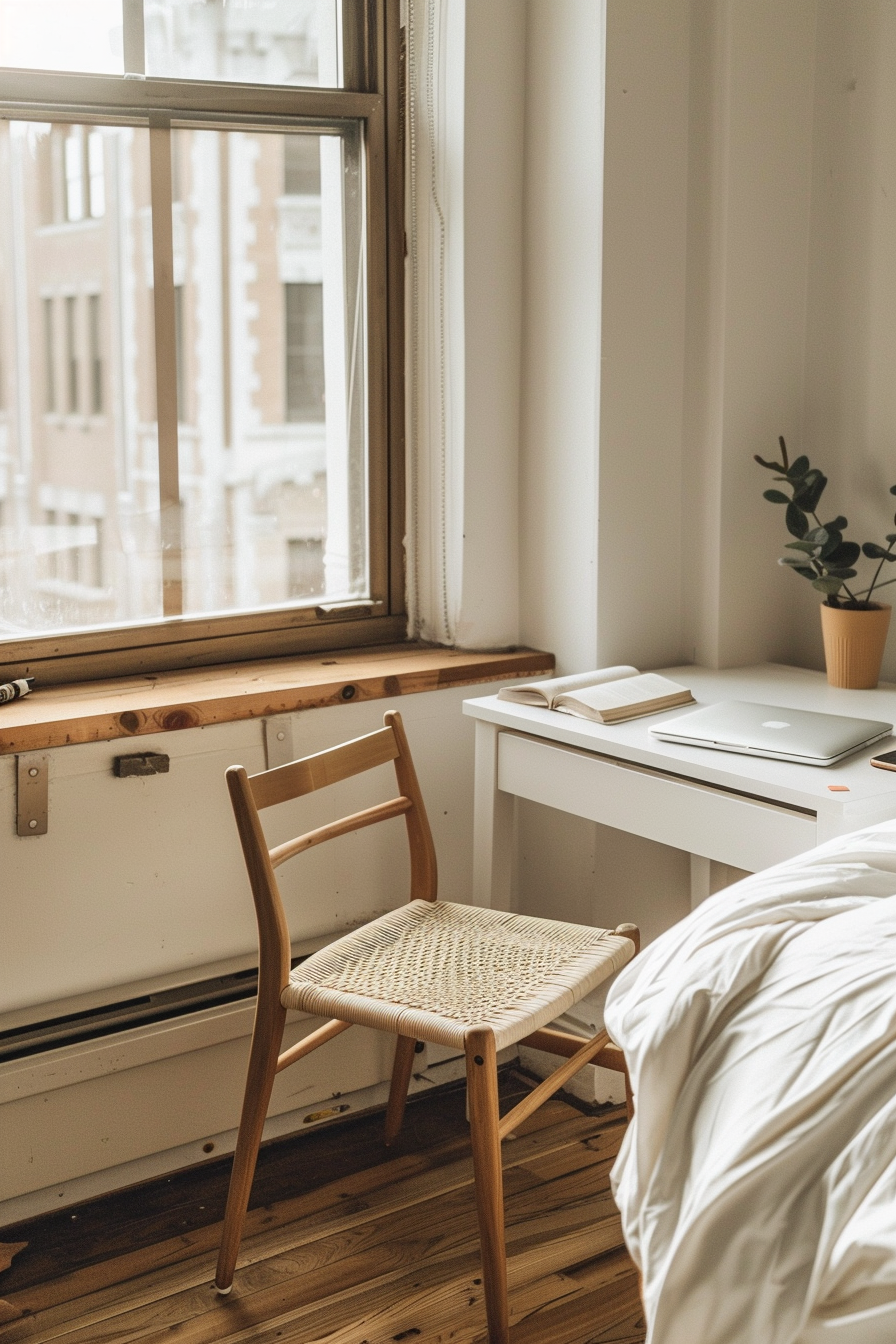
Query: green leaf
(893,489)
(827,585)
(841,573)
(797,522)
(808,546)
(847,553)
(891,536)
(783,446)
(805,572)
(770,466)
(798,469)
(873,551)
(818,536)
(794,562)
(838,524)
(808,494)
(833,543)
(775,496)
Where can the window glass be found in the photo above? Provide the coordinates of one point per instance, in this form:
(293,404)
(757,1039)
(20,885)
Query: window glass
(250,41)
(271,345)
(77,35)
(270,342)
(79,544)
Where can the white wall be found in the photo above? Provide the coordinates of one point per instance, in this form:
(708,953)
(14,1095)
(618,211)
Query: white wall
(600,446)
(752,75)
(850,400)
(561,332)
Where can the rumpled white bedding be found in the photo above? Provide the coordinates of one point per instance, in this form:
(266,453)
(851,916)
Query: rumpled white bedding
(757,1183)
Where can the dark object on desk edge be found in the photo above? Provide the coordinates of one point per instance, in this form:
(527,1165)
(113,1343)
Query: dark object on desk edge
(14,690)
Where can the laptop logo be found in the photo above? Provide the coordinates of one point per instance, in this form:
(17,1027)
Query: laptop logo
(775,723)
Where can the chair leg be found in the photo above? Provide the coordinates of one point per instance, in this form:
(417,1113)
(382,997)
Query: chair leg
(405,1048)
(267,1036)
(482,1090)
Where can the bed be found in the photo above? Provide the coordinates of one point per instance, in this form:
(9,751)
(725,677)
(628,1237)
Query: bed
(757,1182)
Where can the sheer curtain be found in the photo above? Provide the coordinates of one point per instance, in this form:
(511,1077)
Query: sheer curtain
(435,142)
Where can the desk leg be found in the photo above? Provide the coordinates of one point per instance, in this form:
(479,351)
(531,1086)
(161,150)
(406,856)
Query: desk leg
(492,825)
(700,879)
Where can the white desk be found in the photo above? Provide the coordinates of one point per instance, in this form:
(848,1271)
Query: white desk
(745,811)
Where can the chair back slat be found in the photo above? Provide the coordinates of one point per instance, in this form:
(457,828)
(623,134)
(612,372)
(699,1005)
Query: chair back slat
(424,872)
(326,767)
(396,807)
(250,793)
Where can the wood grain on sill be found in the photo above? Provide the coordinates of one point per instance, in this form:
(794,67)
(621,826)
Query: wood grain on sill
(102,711)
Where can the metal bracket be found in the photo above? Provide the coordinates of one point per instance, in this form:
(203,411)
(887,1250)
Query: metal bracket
(32,792)
(278,740)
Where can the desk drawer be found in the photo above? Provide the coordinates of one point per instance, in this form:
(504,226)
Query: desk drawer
(679,812)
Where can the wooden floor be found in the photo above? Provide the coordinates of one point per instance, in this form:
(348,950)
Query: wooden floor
(350,1244)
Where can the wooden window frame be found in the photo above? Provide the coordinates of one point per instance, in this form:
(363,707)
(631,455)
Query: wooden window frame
(371,95)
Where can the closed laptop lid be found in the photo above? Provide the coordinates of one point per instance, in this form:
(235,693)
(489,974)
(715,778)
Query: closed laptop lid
(794,734)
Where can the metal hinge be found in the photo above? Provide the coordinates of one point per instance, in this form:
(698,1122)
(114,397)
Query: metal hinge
(32,792)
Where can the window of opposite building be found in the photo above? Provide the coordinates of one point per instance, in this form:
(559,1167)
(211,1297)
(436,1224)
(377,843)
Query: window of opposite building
(204,273)
(304,348)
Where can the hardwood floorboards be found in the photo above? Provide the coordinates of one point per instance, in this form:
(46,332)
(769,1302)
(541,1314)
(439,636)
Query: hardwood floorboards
(346,1243)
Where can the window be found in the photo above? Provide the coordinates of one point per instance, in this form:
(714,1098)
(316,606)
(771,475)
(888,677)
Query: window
(49,357)
(181,377)
(74,175)
(223,338)
(96,354)
(71,354)
(301,165)
(304,347)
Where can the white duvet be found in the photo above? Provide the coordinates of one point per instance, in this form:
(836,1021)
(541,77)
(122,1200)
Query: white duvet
(757,1183)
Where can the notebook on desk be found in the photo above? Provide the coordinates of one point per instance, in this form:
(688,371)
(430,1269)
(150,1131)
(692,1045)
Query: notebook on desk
(800,735)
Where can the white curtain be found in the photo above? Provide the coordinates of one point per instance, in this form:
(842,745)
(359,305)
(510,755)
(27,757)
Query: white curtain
(435,314)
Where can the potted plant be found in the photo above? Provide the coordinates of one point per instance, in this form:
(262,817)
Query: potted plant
(854,627)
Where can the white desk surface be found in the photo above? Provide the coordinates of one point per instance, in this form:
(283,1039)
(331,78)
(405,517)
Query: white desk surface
(872,792)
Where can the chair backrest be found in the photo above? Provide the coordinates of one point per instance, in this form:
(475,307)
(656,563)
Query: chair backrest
(250,794)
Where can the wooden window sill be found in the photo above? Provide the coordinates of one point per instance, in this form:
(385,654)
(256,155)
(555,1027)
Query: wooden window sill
(101,711)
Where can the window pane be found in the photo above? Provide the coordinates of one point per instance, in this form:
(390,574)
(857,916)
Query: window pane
(271,350)
(79,541)
(83,35)
(253,42)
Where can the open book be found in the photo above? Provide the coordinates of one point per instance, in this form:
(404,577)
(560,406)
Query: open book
(607,695)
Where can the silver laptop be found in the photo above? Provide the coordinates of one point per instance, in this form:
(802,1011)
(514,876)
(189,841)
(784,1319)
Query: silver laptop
(769,730)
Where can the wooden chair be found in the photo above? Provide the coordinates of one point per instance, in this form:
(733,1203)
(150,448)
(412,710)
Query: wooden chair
(458,975)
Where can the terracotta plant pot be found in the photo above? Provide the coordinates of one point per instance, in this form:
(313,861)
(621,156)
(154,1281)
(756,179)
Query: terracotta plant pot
(854,645)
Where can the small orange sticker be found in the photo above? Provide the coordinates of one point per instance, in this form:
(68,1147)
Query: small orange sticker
(838,788)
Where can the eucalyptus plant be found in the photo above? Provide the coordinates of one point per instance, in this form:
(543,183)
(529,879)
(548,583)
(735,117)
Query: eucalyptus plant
(823,556)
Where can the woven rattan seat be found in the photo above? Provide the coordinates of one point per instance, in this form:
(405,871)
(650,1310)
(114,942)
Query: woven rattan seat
(452,974)
(434,970)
